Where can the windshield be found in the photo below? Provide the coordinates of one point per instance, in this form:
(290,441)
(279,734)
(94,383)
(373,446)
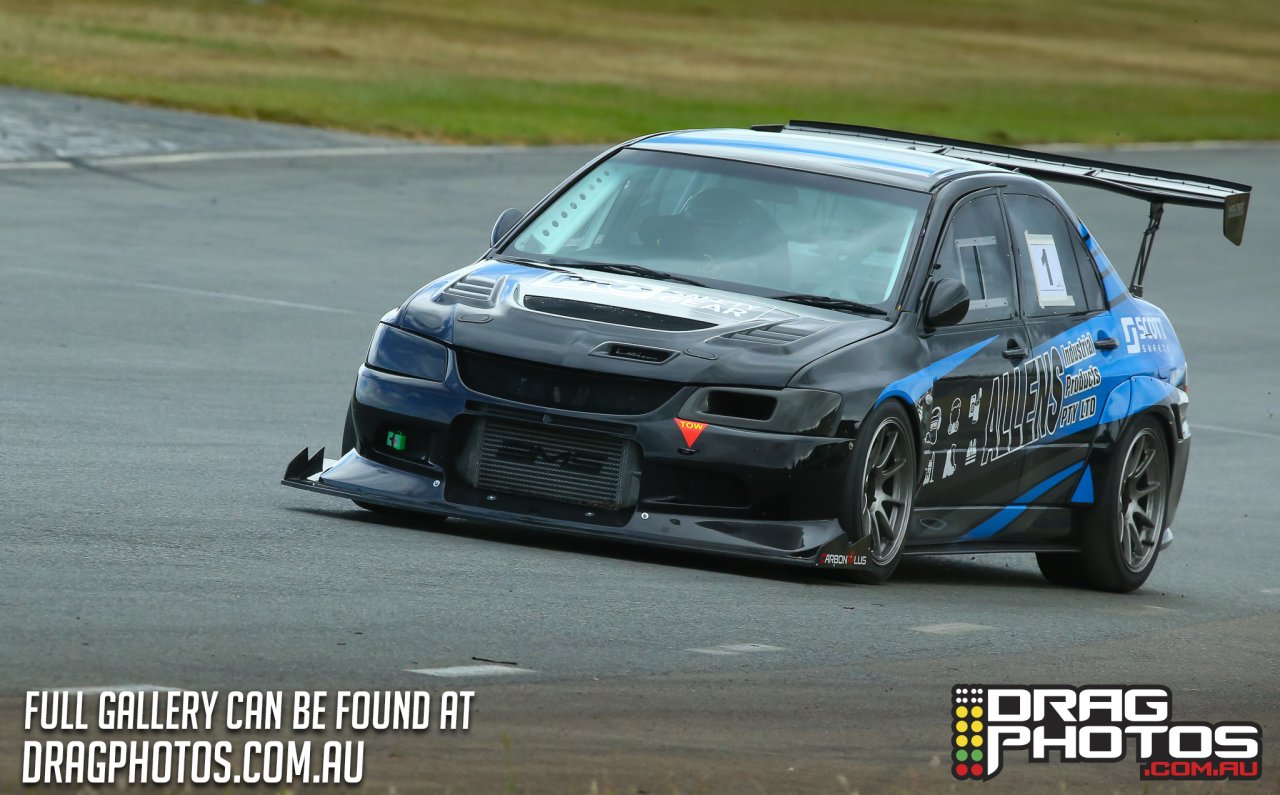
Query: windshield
(769,230)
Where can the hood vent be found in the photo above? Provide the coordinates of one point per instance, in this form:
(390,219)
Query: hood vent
(787,331)
(472,289)
(606,313)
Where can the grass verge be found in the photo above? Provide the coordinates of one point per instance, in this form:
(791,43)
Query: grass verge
(567,71)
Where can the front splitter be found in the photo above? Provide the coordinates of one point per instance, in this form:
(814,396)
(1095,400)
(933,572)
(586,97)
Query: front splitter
(355,477)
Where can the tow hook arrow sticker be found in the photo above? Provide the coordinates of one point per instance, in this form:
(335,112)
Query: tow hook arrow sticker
(690,430)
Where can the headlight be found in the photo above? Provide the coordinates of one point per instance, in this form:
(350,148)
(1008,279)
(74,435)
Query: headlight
(803,411)
(397,351)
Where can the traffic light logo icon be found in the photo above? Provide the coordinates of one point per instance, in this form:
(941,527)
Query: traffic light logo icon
(968,732)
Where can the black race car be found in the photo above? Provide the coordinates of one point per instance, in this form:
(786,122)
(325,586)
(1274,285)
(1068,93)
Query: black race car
(818,344)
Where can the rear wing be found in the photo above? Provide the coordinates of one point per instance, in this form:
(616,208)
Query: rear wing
(1153,185)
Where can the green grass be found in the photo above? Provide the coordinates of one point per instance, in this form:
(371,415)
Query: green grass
(561,71)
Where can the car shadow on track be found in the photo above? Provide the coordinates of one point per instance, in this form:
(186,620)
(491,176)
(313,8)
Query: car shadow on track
(936,570)
(985,570)
(597,547)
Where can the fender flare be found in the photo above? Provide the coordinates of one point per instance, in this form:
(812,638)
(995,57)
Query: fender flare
(1135,396)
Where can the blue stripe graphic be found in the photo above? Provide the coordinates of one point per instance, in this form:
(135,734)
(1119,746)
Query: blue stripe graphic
(1007,514)
(1084,489)
(995,524)
(799,150)
(913,387)
(1038,491)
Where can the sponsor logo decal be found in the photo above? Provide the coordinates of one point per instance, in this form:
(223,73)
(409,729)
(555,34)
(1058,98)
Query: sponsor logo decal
(1051,394)
(1144,334)
(690,430)
(1095,724)
(533,453)
(853,555)
(625,292)
(832,559)
(1041,397)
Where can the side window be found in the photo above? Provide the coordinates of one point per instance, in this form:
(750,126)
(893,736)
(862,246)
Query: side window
(1046,248)
(975,250)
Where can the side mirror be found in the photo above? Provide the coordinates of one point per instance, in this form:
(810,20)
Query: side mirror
(507,220)
(948,303)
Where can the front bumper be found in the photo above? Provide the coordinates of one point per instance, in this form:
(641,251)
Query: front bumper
(746,493)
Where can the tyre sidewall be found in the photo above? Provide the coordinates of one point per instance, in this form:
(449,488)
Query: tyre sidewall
(1100,530)
(855,479)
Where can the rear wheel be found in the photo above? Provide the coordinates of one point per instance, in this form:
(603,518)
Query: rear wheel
(1120,533)
(880,490)
(1061,568)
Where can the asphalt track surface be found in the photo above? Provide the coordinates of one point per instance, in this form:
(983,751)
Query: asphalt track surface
(38,126)
(173,332)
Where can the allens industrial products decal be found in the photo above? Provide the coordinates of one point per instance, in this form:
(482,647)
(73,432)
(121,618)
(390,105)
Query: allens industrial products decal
(1095,724)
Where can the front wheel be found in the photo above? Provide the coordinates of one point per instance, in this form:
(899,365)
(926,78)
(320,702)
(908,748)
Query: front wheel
(880,490)
(1120,533)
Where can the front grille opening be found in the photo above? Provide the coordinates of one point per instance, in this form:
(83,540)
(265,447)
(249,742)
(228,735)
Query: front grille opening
(617,315)
(561,387)
(551,463)
(743,405)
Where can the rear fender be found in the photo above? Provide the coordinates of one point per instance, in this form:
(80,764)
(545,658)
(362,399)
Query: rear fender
(1137,396)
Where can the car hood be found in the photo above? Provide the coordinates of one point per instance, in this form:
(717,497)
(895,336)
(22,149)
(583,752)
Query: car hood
(628,326)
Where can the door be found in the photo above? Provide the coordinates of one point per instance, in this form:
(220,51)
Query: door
(969,416)
(1064,310)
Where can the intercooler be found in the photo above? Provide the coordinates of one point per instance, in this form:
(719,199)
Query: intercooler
(554,463)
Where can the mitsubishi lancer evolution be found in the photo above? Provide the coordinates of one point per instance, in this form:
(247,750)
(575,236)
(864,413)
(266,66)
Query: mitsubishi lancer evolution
(817,344)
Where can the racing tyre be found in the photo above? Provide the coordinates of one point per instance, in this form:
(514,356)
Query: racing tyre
(1061,568)
(880,490)
(1120,533)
